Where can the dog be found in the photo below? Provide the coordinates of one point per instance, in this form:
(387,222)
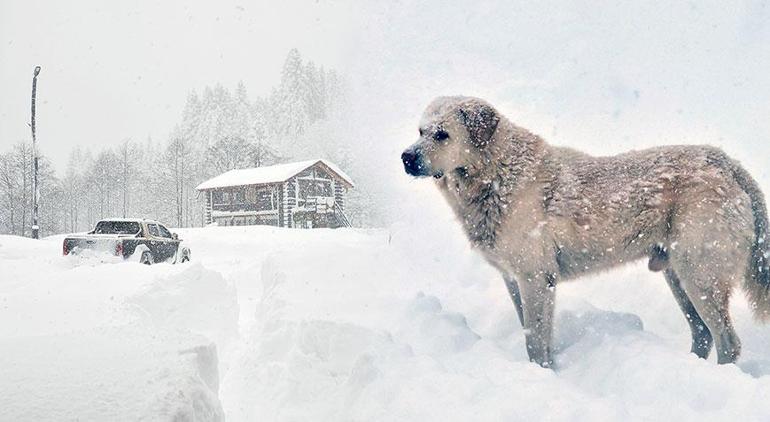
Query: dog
(542,214)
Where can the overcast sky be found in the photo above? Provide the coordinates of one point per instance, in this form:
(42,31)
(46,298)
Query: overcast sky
(116,70)
(601,76)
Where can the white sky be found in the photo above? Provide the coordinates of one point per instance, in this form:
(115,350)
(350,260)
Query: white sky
(601,76)
(116,70)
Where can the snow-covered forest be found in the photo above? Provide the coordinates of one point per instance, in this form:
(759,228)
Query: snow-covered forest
(220,129)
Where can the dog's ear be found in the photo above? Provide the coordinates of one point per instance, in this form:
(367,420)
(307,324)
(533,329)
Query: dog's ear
(481,121)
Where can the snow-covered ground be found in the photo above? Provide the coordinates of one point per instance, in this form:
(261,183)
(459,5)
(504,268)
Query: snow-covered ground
(405,323)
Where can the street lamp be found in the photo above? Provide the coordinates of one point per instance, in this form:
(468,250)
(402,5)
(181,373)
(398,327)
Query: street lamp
(35,187)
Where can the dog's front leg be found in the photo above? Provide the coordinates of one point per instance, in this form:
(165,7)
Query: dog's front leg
(538,294)
(513,291)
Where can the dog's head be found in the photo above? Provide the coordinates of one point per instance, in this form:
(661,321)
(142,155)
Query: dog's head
(454,131)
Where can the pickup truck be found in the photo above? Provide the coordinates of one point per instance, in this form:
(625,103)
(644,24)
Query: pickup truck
(152,241)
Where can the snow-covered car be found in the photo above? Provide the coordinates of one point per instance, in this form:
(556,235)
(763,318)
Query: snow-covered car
(147,240)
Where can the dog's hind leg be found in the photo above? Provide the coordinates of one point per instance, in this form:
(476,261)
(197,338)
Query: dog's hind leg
(712,305)
(513,291)
(538,294)
(706,280)
(709,257)
(701,336)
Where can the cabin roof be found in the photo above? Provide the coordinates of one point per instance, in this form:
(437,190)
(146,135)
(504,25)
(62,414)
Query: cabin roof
(270,174)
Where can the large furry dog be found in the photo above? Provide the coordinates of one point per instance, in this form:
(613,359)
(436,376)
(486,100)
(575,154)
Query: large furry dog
(542,214)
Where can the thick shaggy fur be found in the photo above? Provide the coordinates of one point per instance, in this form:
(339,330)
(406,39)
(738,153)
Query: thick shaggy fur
(543,214)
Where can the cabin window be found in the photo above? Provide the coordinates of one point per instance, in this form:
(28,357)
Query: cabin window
(239,197)
(251,194)
(320,174)
(264,200)
(219,197)
(313,188)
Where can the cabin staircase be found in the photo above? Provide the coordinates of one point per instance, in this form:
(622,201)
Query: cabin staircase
(339,215)
(321,205)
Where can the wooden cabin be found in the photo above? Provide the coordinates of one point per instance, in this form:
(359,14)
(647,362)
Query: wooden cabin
(304,194)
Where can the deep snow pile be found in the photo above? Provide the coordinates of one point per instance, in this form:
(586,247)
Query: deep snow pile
(410,324)
(399,324)
(93,338)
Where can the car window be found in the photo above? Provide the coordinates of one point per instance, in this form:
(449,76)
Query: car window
(117,227)
(164,231)
(154,231)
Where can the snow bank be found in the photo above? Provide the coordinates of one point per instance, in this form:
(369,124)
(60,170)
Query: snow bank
(195,299)
(107,374)
(93,338)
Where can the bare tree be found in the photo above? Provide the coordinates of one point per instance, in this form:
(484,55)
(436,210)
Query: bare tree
(128,158)
(22,161)
(16,192)
(8,184)
(72,185)
(177,156)
(101,180)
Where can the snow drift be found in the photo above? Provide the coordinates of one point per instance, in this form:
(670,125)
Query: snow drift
(406,325)
(94,338)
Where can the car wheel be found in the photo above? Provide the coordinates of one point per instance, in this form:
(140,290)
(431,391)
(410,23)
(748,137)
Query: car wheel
(146,258)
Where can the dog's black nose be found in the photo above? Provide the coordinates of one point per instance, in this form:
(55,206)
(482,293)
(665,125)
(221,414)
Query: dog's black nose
(411,161)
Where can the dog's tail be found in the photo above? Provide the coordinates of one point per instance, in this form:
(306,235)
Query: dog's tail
(757,282)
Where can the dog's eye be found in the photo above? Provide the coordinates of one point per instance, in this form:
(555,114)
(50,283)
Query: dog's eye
(422,132)
(440,135)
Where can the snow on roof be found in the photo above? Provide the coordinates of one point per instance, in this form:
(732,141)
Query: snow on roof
(266,175)
(129,220)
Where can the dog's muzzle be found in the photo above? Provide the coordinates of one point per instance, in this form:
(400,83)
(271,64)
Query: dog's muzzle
(414,164)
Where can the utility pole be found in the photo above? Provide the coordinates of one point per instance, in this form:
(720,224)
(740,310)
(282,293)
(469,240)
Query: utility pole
(35,187)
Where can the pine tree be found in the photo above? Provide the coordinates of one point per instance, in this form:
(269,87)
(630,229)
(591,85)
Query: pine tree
(192,119)
(290,100)
(240,122)
(260,110)
(314,101)
(230,153)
